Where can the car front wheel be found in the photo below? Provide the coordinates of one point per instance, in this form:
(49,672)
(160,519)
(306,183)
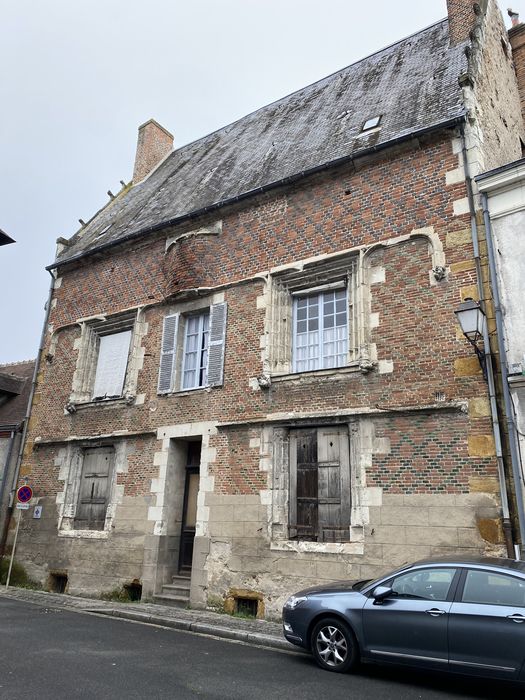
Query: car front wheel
(334,645)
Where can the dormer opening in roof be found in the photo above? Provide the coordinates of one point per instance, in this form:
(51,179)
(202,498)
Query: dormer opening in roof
(371,123)
(154,143)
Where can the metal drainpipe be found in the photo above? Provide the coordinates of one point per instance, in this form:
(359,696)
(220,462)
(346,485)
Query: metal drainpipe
(509,407)
(507,525)
(2,490)
(28,411)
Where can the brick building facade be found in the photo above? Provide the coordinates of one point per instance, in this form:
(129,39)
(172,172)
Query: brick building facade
(253,379)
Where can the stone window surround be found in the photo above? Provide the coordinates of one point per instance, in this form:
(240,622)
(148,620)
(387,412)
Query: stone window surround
(87,346)
(276,352)
(274,459)
(70,461)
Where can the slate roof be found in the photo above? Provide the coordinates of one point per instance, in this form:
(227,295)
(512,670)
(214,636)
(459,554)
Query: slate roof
(413,84)
(15,386)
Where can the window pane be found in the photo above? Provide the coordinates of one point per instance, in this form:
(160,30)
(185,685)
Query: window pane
(428,584)
(493,589)
(195,360)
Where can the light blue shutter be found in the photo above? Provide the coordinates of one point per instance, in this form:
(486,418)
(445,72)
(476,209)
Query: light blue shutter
(167,354)
(217,338)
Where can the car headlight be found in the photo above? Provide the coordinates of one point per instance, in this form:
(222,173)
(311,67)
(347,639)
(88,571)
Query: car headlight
(295,600)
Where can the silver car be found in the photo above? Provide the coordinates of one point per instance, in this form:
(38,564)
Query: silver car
(466,616)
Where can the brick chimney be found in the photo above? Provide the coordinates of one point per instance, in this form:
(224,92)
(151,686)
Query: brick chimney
(153,145)
(461,17)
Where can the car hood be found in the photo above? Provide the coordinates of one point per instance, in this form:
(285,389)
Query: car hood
(333,587)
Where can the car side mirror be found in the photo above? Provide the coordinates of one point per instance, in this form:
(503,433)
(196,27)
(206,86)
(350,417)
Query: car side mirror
(380,593)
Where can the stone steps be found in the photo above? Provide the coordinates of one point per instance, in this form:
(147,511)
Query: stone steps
(176,593)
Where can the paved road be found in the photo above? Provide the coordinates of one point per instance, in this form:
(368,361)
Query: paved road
(56,654)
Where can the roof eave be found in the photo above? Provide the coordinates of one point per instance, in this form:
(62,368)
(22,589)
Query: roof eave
(446,124)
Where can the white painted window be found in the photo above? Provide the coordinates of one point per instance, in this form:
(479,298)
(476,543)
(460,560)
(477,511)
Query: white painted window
(112,362)
(313,317)
(192,350)
(320,330)
(195,358)
(108,358)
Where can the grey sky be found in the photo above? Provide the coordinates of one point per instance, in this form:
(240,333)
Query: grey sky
(79,78)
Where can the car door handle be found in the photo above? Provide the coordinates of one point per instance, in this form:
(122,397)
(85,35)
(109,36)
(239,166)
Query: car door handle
(435,612)
(516,617)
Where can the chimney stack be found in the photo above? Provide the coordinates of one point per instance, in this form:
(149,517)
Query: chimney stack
(514,17)
(461,18)
(153,145)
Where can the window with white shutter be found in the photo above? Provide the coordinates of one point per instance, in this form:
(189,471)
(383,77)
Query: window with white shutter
(106,363)
(112,362)
(192,351)
(168,354)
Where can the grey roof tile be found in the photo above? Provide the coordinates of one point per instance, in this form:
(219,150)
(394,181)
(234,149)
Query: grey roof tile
(413,84)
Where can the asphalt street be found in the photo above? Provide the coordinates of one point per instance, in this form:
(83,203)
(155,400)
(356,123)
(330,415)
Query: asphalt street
(48,653)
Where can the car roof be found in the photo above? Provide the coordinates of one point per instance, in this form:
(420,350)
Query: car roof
(514,565)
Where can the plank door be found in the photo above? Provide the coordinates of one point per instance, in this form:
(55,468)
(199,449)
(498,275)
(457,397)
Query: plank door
(97,469)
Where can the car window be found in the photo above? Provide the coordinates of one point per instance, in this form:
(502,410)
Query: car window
(490,588)
(428,584)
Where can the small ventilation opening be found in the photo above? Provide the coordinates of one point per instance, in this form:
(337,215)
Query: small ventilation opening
(246,607)
(57,582)
(134,590)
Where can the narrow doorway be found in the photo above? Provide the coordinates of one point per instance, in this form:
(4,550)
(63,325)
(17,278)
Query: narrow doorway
(189,510)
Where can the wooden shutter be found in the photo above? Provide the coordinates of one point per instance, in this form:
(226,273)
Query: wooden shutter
(93,497)
(112,363)
(168,354)
(303,485)
(320,495)
(333,484)
(216,344)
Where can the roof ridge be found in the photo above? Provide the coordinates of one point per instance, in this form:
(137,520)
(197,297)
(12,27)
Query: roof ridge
(18,362)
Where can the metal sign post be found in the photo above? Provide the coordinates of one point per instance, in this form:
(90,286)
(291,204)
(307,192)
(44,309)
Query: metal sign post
(23,496)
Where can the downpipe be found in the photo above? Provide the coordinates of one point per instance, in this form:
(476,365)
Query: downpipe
(496,430)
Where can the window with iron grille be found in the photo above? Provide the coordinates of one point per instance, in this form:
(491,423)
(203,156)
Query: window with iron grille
(320,489)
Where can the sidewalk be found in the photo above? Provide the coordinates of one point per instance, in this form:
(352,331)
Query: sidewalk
(257,632)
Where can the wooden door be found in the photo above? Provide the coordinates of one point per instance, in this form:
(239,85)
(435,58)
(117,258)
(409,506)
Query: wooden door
(189,512)
(97,469)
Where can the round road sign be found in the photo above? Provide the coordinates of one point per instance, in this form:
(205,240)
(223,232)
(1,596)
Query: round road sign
(24,494)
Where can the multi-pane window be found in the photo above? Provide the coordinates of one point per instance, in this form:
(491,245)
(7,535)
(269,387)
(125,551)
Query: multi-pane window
(192,349)
(320,323)
(195,358)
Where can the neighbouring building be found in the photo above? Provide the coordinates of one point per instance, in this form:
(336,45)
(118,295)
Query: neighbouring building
(503,190)
(252,377)
(15,389)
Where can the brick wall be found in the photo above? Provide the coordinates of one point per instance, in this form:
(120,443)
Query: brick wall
(421,360)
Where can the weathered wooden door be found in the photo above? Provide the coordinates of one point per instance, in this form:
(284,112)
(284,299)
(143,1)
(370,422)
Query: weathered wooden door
(97,469)
(320,484)
(189,512)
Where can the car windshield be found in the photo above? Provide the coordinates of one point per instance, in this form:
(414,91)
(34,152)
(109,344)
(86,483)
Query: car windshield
(358,585)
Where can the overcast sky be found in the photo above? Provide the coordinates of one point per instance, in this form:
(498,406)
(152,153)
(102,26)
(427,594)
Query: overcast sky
(79,78)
